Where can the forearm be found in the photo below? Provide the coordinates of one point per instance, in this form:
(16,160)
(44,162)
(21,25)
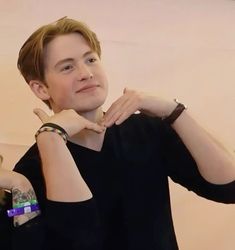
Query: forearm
(10,179)
(63,179)
(215,163)
(22,192)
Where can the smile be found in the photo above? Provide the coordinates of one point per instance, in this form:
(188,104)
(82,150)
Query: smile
(87,88)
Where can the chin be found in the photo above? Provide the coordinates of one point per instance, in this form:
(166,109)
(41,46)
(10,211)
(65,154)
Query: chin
(90,105)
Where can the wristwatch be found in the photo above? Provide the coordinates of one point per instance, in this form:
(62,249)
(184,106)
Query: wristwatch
(175,113)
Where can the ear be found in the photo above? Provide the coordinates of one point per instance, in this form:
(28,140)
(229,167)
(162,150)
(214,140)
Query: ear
(39,89)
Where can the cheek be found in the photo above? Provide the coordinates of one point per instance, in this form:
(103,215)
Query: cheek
(100,73)
(102,79)
(60,93)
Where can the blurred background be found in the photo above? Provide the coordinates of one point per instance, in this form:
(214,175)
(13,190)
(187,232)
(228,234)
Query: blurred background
(174,48)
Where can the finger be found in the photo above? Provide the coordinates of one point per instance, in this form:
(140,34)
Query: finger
(124,111)
(95,127)
(127,94)
(112,113)
(42,115)
(126,90)
(131,109)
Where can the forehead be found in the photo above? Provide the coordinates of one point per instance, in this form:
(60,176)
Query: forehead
(70,45)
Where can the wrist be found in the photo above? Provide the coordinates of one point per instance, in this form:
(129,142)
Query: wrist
(175,114)
(156,106)
(52,128)
(169,108)
(48,136)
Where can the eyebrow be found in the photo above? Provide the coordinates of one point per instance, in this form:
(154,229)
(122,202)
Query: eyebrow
(66,60)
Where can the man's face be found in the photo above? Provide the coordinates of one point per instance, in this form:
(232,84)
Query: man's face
(74,75)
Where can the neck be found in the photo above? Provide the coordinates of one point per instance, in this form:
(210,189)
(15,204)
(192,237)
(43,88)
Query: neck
(90,138)
(94,115)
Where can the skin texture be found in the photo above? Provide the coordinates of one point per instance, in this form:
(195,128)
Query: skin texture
(21,196)
(22,191)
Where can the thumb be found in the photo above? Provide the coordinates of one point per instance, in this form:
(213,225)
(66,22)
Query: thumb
(42,115)
(125,90)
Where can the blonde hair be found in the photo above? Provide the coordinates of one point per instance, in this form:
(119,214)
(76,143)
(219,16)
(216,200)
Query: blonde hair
(31,56)
(31,61)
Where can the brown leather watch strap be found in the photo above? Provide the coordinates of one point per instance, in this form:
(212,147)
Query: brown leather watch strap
(175,113)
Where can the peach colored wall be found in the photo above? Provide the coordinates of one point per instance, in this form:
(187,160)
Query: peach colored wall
(11,154)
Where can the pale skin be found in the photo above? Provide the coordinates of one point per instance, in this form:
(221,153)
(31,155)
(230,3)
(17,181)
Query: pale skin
(79,111)
(22,191)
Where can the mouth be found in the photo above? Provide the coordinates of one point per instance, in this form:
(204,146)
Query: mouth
(87,88)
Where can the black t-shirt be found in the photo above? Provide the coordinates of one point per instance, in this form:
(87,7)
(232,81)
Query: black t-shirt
(130,208)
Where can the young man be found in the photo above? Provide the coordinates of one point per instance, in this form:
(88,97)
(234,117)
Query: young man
(102,178)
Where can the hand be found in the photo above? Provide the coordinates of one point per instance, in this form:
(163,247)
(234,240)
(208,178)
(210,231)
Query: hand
(70,121)
(132,101)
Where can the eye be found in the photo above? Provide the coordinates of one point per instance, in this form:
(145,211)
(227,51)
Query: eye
(67,67)
(91,60)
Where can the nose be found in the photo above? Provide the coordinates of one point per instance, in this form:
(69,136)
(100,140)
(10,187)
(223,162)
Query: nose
(84,72)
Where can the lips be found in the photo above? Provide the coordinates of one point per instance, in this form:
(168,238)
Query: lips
(87,88)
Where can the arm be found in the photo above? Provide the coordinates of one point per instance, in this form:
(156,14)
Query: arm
(70,211)
(22,191)
(62,177)
(63,180)
(215,163)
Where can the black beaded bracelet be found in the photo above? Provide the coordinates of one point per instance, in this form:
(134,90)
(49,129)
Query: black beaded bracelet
(52,127)
(175,113)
